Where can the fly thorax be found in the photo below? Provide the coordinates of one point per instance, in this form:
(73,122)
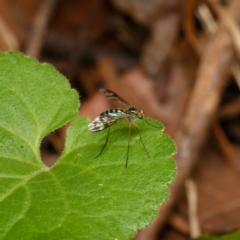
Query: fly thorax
(132,113)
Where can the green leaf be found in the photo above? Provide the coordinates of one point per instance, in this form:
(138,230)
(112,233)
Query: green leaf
(230,236)
(80,197)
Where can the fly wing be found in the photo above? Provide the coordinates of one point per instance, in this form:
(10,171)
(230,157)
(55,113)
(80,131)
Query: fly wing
(113,96)
(106,119)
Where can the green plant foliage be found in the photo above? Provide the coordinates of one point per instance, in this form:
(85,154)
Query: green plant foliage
(80,197)
(231,236)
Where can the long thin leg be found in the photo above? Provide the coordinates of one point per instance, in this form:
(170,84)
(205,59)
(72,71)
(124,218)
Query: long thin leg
(140,131)
(104,144)
(129,134)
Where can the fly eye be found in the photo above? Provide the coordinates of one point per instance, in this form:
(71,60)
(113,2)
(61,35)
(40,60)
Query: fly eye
(140,115)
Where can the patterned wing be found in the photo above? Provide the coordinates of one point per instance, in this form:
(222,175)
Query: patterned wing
(113,96)
(106,119)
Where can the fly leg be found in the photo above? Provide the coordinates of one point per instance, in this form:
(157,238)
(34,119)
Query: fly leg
(104,143)
(140,132)
(129,134)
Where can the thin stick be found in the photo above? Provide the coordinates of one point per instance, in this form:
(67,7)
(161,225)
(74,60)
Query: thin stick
(192,197)
(104,144)
(229,22)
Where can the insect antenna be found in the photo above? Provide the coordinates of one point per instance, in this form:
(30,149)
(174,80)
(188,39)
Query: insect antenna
(104,144)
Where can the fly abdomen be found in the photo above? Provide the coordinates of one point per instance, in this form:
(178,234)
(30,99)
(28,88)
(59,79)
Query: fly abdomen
(113,111)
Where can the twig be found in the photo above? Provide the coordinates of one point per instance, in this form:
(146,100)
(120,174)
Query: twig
(191,190)
(39,28)
(233,29)
(228,22)
(210,25)
(206,18)
(189,26)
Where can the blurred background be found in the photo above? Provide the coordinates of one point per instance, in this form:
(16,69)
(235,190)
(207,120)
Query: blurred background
(178,60)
